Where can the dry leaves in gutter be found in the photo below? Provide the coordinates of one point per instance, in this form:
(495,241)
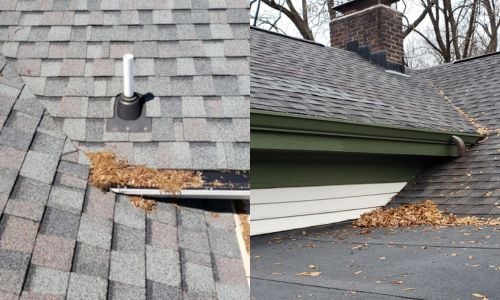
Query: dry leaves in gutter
(145,204)
(107,171)
(423,213)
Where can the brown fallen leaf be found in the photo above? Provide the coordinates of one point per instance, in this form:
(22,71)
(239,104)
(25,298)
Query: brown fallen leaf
(358,247)
(477,295)
(312,267)
(453,254)
(358,272)
(408,289)
(423,213)
(310,273)
(148,205)
(397,282)
(276,273)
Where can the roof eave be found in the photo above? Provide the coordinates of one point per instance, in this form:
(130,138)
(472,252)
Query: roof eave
(292,132)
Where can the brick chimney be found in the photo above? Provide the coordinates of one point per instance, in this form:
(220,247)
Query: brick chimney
(371,28)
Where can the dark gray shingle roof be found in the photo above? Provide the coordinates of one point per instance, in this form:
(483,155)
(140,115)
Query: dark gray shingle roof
(468,184)
(295,76)
(192,55)
(60,237)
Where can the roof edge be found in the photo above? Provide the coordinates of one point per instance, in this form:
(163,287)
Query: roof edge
(284,122)
(287,36)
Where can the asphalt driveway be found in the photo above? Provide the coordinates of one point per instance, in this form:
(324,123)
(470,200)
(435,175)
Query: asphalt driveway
(403,263)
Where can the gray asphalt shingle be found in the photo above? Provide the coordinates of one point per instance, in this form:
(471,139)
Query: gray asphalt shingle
(47,281)
(468,184)
(90,260)
(86,287)
(95,231)
(282,67)
(128,268)
(73,53)
(71,240)
(163,266)
(66,198)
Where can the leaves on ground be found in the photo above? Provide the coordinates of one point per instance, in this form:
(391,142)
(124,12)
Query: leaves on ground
(423,213)
(309,273)
(477,295)
(397,282)
(358,272)
(359,247)
(408,289)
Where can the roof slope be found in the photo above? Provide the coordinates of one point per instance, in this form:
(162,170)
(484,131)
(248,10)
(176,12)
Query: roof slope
(192,55)
(295,76)
(468,184)
(61,238)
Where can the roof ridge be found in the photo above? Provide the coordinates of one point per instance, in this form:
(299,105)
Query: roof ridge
(475,57)
(287,36)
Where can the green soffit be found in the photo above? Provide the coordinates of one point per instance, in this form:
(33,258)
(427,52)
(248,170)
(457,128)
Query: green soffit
(289,132)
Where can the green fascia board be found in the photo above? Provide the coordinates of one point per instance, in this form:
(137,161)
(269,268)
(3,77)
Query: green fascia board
(281,131)
(298,169)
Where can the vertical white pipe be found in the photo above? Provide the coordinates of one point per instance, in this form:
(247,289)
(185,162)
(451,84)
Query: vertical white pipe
(128,75)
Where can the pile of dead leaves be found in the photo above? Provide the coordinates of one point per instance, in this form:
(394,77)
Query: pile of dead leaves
(145,204)
(107,171)
(423,213)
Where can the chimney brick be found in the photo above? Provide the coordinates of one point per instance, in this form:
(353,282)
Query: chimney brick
(379,27)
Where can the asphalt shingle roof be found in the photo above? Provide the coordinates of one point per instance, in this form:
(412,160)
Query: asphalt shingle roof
(192,55)
(61,238)
(468,184)
(299,77)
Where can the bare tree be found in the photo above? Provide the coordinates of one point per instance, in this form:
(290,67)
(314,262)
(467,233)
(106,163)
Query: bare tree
(461,29)
(308,16)
(489,22)
(445,30)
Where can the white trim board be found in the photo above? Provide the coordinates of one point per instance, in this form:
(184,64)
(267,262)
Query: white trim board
(280,209)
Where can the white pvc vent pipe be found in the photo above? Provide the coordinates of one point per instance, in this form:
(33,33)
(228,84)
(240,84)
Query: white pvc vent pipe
(193,194)
(128,75)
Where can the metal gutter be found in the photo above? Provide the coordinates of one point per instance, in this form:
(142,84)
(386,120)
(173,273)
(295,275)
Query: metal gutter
(278,121)
(190,194)
(292,132)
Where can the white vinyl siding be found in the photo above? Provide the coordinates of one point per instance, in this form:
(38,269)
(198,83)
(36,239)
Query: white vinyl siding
(279,209)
